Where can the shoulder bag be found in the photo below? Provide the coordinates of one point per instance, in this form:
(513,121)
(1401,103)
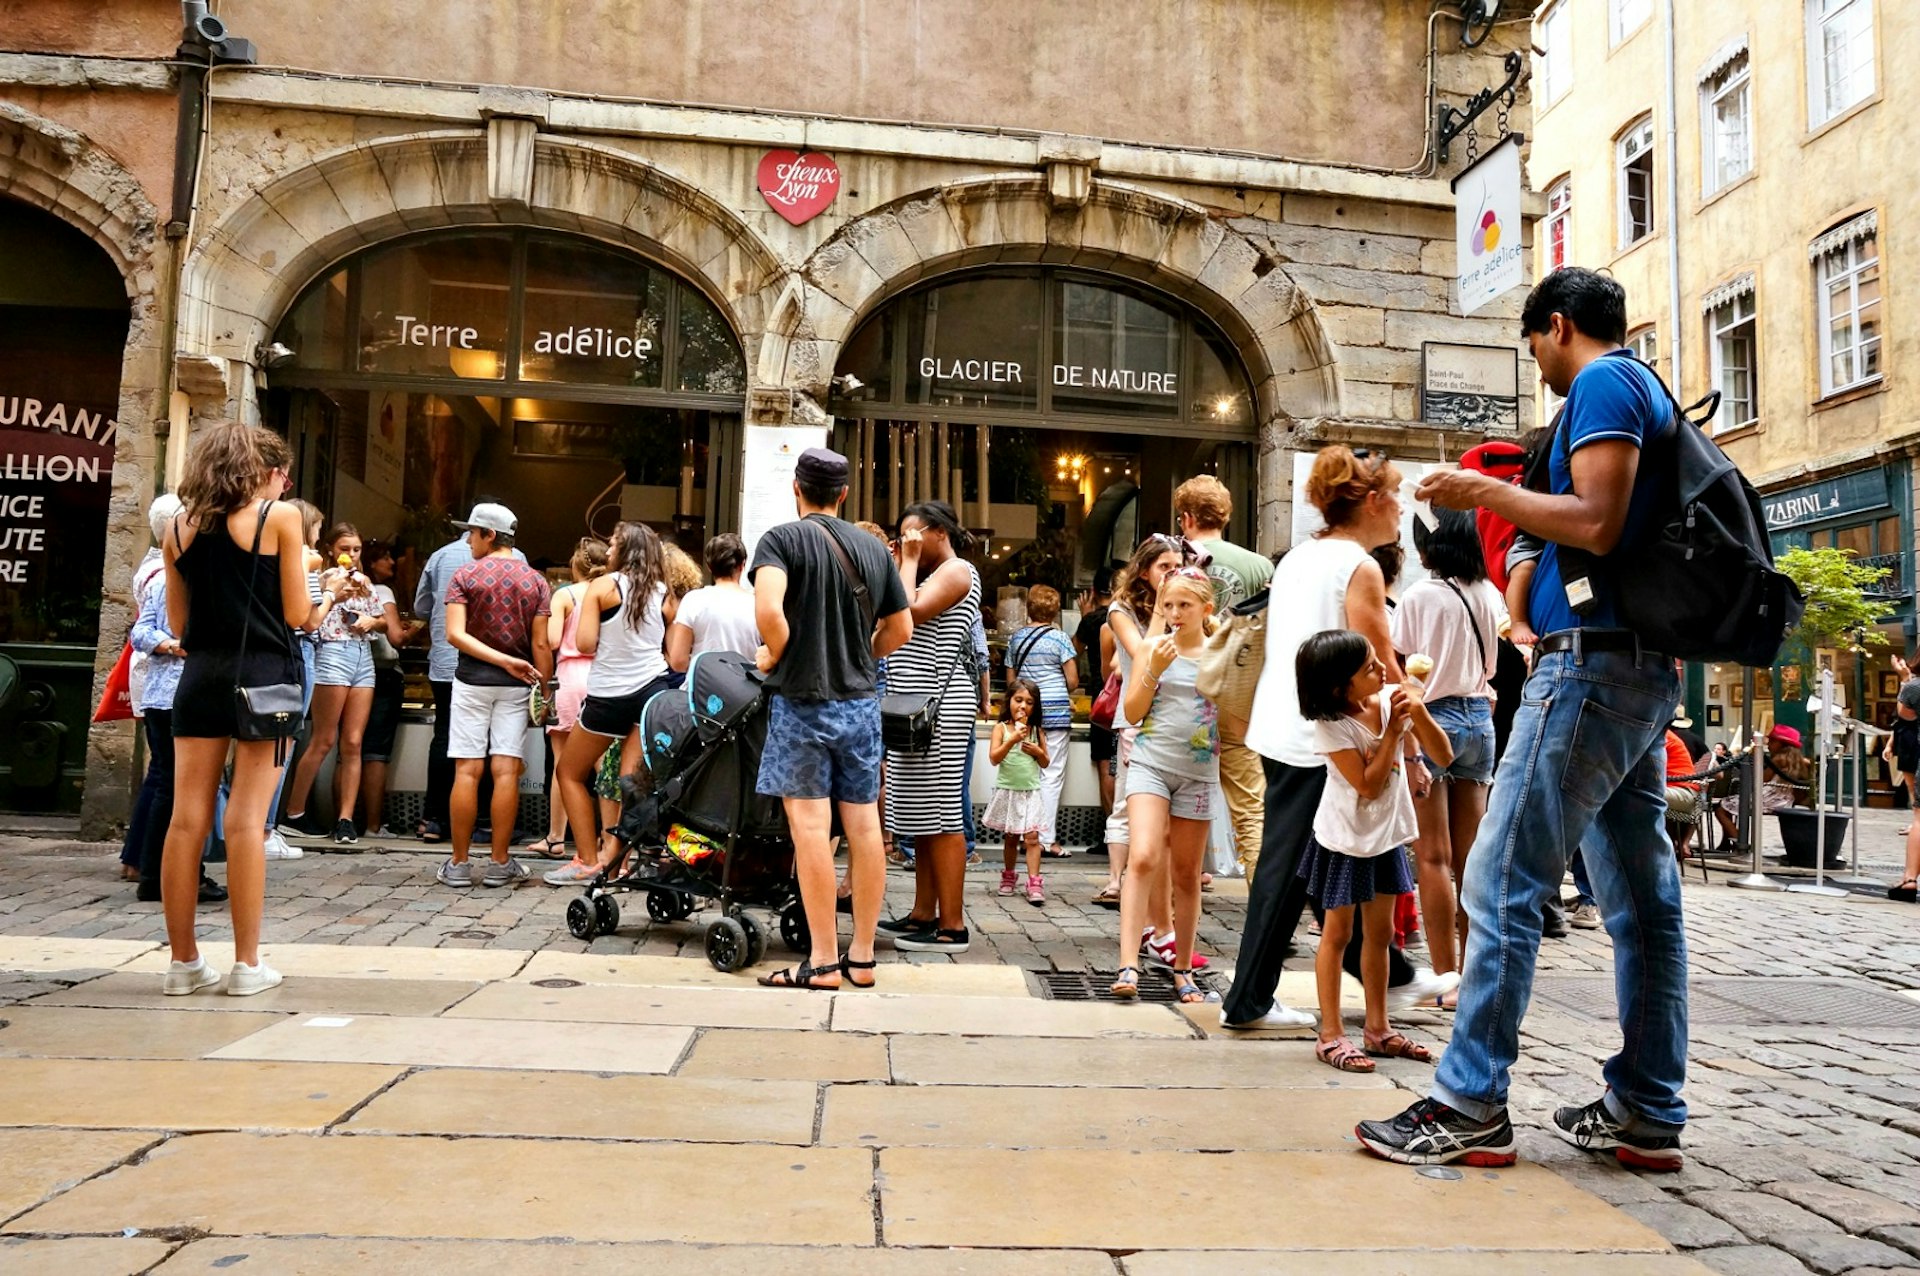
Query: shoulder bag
(907,718)
(1233,658)
(271,711)
(1473,622)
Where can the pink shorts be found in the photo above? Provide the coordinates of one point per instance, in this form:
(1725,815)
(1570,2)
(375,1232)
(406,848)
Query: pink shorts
(571,679)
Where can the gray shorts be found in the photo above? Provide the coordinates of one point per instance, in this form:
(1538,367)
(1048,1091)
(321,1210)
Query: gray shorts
(1188,797)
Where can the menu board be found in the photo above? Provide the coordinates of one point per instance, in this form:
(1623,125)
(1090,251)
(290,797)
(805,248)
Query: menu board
(766,488)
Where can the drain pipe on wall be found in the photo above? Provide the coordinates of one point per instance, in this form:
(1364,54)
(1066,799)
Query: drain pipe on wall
(1673,211)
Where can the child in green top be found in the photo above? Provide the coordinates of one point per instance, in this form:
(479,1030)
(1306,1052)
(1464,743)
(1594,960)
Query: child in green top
(1019,749)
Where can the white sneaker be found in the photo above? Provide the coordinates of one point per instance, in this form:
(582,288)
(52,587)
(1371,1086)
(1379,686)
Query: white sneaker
(278,848)
(1584,917)
(1279,1017)
(189,977)
(245,980)
(1425,986)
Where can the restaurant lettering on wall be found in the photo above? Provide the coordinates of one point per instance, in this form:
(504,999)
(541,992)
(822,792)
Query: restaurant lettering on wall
(61,454)
(1009,372)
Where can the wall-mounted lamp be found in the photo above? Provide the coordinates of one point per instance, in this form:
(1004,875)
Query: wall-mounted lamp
(273,355)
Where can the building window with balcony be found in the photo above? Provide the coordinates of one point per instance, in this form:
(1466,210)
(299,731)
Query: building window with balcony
(1559,224)
(1624,17)
(1732,354)
(1633,157)
(1726,126)
(1839,57)
(1644,345)
(1553,65)
(1846,264)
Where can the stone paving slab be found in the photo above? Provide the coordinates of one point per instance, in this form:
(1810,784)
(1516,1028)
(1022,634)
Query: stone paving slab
(71,1032)
(36,1164)
(466,1043)
(468,1189)
(256,1256)
(336,961)
(1161,1200)
(1160,1065)
(123,991)
(51,953)
(785,1056)
(545,1105)
(102,1094)
(981,1016)
(82,1255)
(1415,1262)
(1113,1120)
(934,977)
(611,1003)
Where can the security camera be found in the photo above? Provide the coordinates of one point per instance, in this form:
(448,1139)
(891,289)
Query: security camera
(210,28)
(274,355)
(847,383)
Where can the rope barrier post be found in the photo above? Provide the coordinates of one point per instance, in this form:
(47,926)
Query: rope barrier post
(1754,880)
(1859,732)
(1823,744)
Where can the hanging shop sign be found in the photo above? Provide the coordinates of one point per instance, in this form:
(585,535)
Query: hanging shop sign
(1857,493)
(798,186)
(56,468)
(1470,387)
(1487,227)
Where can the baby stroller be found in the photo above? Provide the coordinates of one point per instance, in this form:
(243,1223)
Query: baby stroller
(694,830)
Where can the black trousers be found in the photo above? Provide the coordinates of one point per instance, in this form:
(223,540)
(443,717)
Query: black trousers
(439,765)
(1279,895)
(159,724)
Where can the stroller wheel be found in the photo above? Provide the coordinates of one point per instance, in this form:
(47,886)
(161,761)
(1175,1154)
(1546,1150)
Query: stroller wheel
(606,913)
(580,918)
(794,932)
(756,939)
(727,945)
(664,905)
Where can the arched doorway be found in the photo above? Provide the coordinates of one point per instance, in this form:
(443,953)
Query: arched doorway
(64,316)
(1056,408)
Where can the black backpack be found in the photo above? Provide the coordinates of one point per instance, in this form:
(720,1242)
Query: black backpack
(1698,580)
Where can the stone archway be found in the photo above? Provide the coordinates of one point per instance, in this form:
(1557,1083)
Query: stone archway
(246,271)
(61,172)
(1122,229)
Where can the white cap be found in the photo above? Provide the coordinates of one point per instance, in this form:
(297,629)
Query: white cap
(491,518)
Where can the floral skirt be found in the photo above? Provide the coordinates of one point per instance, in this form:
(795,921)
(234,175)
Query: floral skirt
(1338,881)
(1016,811)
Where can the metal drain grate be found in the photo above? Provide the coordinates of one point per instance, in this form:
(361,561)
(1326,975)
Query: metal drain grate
(1752,1001)
(1156,984)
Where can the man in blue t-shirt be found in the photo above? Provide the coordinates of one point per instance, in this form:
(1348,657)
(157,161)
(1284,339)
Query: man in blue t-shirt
(1590,767)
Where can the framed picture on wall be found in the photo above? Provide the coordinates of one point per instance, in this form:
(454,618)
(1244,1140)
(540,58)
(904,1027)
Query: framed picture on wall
(1716,716)
(1763,684)
(1790,682)
(1889,685)
(1736,694)
(1713,691)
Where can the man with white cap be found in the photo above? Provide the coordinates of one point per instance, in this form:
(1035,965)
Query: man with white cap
(497,610)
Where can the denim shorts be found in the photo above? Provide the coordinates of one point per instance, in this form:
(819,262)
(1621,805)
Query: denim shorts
(1468,722)
(821,749)
(347,663)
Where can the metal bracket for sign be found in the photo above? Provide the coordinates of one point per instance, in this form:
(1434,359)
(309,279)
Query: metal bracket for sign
(1450,122)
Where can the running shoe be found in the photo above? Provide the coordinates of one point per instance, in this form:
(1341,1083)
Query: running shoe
(1594,1129)
(1431,1133)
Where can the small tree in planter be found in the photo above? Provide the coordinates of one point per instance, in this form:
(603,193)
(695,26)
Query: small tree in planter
(1839,612)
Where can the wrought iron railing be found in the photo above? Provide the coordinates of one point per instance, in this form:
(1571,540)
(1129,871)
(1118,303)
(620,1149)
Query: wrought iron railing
(1897,583)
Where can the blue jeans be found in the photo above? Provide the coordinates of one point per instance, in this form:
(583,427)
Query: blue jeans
(966,789)
(1583,888)
(1585,767)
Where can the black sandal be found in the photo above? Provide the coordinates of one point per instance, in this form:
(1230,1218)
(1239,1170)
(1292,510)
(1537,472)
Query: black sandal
(848,965)
(1905,893)
(801,976)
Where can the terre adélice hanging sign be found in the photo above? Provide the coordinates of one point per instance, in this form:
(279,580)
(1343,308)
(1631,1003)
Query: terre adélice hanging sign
(799,186)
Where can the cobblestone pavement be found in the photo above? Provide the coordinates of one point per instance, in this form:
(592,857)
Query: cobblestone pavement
(1803,1150)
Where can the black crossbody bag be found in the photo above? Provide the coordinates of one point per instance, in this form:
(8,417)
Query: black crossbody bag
(907,718)
(271,711)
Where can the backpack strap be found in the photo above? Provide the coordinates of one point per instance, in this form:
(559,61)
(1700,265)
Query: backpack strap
(855,581)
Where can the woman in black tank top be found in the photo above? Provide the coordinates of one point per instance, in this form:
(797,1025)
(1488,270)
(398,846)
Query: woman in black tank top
(220,592)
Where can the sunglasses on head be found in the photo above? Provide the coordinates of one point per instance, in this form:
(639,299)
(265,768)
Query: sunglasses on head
(1193,572)
(1180,545)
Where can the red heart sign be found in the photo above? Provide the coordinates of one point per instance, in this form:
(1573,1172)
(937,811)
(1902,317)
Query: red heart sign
(799,186)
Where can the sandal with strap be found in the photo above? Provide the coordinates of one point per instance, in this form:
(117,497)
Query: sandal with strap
(848,965)
(802,976)
(1342,1054)
(1396,1045)
(1126,983)
(1906,892)
(549,849)
(1187,992)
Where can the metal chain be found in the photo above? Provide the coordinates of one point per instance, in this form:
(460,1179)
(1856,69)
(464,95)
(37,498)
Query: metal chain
(1473,144)
(1500,116)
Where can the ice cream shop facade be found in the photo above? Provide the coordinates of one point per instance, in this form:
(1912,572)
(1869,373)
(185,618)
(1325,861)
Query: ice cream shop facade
(592,301)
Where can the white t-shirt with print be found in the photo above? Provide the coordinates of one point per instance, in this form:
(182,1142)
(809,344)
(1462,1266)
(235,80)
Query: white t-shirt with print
(1346,822)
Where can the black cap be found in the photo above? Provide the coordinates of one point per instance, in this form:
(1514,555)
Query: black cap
(818,467)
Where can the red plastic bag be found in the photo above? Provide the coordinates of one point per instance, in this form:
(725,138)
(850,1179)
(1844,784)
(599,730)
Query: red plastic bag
(116,702)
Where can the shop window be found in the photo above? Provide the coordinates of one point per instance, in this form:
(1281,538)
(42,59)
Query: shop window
(1624,17)
(709,357)
(975,343)
(1220,392)
(435,307)
(1559,224)
(592,317)
(1726,127)
(1118,353)
(316,328)
(1839,57)
(1731,350)
(1634,161)
(1847,291)
(1553,64)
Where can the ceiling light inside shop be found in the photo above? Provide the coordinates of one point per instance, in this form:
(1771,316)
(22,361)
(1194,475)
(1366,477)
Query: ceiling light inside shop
(475,365)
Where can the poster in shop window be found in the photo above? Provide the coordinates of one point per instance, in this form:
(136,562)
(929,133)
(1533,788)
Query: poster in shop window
(766,497)
(386,455)
(1487,227)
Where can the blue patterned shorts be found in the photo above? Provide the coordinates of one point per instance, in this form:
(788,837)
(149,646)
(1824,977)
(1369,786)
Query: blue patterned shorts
(821,749)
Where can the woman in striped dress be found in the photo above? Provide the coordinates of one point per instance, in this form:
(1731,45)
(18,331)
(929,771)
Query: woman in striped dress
(924,792)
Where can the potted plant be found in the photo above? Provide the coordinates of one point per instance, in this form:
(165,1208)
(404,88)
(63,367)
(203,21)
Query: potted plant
(1840,612)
